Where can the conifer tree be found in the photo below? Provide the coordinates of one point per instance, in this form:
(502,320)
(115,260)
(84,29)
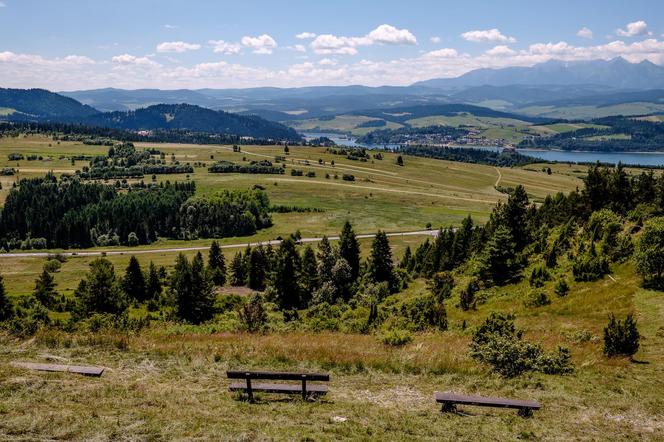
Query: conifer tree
(153,286)
(6,309)
(45,289)
(382,267)
(237,269)
(133,282)
(349,249)
(99,291)
(217,264)
(310,279)
(286,276)
(257,269)
(192,288)
(498,263)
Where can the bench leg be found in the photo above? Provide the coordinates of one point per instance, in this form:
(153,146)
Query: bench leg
(448,407)
(250,392)
(525,412)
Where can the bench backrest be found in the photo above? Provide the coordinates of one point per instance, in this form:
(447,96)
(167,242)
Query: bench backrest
(277,375)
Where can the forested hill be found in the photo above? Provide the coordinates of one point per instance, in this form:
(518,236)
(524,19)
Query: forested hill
(30,104)
(194,118)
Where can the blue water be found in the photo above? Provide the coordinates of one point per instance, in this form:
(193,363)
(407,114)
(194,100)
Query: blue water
(642,159)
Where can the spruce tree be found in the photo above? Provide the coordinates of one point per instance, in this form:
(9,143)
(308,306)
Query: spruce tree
(6,309)
(257,269)
(99,291)
(310,280)
(286,276)
(498,263)
(45,289)
(237,269)
(382,267)
(192,288)
(217,264)
(133,282)
(349,249)
(153,284)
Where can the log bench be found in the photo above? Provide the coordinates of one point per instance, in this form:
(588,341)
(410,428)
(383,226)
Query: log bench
(449,402)
(303,388)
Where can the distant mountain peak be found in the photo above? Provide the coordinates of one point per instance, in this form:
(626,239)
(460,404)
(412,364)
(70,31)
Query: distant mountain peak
(615,73)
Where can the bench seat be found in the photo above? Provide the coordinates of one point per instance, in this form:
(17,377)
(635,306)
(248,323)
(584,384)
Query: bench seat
(313,390)
(450,400)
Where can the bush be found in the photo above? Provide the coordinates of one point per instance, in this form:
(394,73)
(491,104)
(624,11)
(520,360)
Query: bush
(252,315)
(498,343)
(536,298)
(467,299)
(396,337)
(590,266)
(621,338)
(52,265)
(538,276)
(420,313)
(561,288)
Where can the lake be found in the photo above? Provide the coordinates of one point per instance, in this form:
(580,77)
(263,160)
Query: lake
(635,158)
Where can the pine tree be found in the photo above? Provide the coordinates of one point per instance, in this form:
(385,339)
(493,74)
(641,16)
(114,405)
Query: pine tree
(45,289)
(286,276)
(192,288)
(407,261)
(217,264)
(153,284)
(621,338)
(99,291)
(310,280)
(326,259)
(133,282)
(382,268)
(257,269)
(349,249)
(6,309)
(498,263)
(238,275)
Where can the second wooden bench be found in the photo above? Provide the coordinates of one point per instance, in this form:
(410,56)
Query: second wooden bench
(303,387)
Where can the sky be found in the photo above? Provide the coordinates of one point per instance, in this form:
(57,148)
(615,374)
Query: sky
(65,45)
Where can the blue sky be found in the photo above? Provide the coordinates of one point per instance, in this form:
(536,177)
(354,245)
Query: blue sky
(75,44)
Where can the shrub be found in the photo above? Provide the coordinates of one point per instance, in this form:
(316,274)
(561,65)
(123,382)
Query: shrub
(649,256)
(420,313)
(621,337)
(536,298)
(252,315)
(52,265)
(498,343)
(396,337)
(441,285)
(561,288)
(590,266)
(538,276)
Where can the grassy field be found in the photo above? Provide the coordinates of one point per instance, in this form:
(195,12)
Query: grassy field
(168,382)
(340,123)
(588,112)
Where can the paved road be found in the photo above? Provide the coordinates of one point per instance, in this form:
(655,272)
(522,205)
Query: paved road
(190,249)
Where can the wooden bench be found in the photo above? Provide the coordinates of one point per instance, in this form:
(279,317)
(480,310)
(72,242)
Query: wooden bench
(450,401)
(302,388)
(78,369)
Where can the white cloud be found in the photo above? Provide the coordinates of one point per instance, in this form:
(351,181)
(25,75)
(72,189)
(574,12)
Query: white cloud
(383,34)
(127,59)
(263,44)
(167,26)
(634,29)
(305,35)
(584,33)
(435,39)
(177,46)
(500,50)
(224,47)
(327,62)
(387,34)
(300,48)
(442,53)
(2,4)
(488,35)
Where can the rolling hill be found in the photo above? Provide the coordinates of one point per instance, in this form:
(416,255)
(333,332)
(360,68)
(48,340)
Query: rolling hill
(26,104)
(194,118)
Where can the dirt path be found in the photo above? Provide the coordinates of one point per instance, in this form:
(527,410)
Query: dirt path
(199,248)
